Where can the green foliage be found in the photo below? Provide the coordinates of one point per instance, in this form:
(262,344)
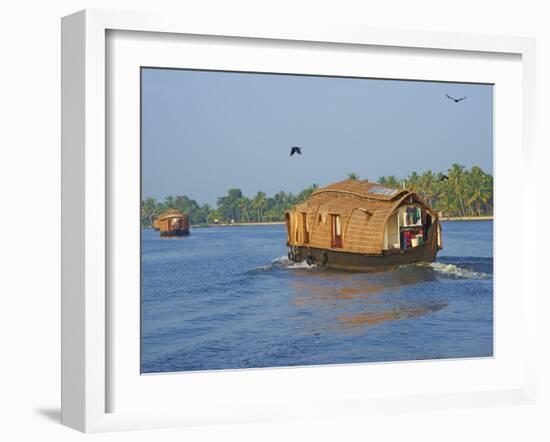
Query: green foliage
(457,192)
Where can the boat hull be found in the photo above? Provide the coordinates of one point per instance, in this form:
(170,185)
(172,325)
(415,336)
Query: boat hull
(179,232)
(360,262)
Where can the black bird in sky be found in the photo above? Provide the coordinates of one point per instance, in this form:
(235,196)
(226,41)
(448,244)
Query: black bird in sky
(295,149)
(456,100)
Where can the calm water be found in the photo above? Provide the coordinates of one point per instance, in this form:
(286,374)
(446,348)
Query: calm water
(227,297)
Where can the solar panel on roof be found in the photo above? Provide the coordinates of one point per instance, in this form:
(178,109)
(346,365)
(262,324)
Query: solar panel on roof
(377,190)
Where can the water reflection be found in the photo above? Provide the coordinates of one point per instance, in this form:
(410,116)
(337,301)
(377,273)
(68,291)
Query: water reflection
(353,300)
(372,318)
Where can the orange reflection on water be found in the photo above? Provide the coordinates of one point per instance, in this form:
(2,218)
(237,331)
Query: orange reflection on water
(372,318)
(353,300)
(322,292)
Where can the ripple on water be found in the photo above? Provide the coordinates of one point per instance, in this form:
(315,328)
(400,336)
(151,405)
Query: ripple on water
(230,298)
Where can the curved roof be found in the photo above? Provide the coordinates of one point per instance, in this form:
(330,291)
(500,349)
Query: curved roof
(364,189)
(171,213)
(365,209)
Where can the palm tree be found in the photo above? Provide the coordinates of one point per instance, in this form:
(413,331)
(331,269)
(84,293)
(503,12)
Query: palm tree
(438,187)
(306,193)
(259,203)
(488,184)
(212,216)
(479,190)
(352,176)
(456,179)
(148,211)
(169,202)
(427,180)
(244,204)
(446,201)
(413,181)
(461,192)
(228,205)
(280,202)
(280,198)
(201,215)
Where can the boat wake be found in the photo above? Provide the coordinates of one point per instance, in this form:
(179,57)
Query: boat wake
(442,268)
(455,271)
(283,262)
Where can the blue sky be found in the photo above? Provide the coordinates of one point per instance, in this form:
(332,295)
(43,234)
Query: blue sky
(204,132)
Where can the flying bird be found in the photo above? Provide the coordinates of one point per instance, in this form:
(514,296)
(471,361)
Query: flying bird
(295,149)
(456,100)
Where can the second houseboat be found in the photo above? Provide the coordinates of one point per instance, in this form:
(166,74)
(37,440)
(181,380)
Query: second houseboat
(172,222)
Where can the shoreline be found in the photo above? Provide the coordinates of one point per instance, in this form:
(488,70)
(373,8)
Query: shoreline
(267,223)
(274,223)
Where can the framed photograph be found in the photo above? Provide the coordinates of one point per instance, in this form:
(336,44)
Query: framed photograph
(262,222)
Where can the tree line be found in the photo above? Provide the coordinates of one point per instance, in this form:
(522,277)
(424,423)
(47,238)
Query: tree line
(457,192)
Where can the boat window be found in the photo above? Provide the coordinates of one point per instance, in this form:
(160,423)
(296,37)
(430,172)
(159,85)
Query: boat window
(336,231)
(305,228)
(412,227)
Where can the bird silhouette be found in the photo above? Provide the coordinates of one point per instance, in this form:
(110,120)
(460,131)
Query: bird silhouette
(295,149)
(456,100)
(444,178)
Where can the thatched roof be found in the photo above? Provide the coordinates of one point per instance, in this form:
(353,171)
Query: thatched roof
(364,189)
(171,213)
(364,207)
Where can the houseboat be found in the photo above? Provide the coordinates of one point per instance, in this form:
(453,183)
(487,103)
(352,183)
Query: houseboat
(172,222)
(356,225)
(156,225)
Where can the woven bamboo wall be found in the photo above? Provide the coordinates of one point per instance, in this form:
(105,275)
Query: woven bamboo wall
(363,216)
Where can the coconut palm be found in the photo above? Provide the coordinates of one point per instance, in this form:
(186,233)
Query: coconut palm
(148,211)
(244,205)
(479,190)
(456,180)
(459,192)
(228,205)
(413,182)
(259,203)
(438,187)
(427,180)
(306,193)
(392,181)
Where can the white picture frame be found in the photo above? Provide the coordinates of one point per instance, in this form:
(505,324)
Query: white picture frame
(87,356)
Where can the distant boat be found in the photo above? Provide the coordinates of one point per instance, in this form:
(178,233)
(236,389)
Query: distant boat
(172,222)
(356,225)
